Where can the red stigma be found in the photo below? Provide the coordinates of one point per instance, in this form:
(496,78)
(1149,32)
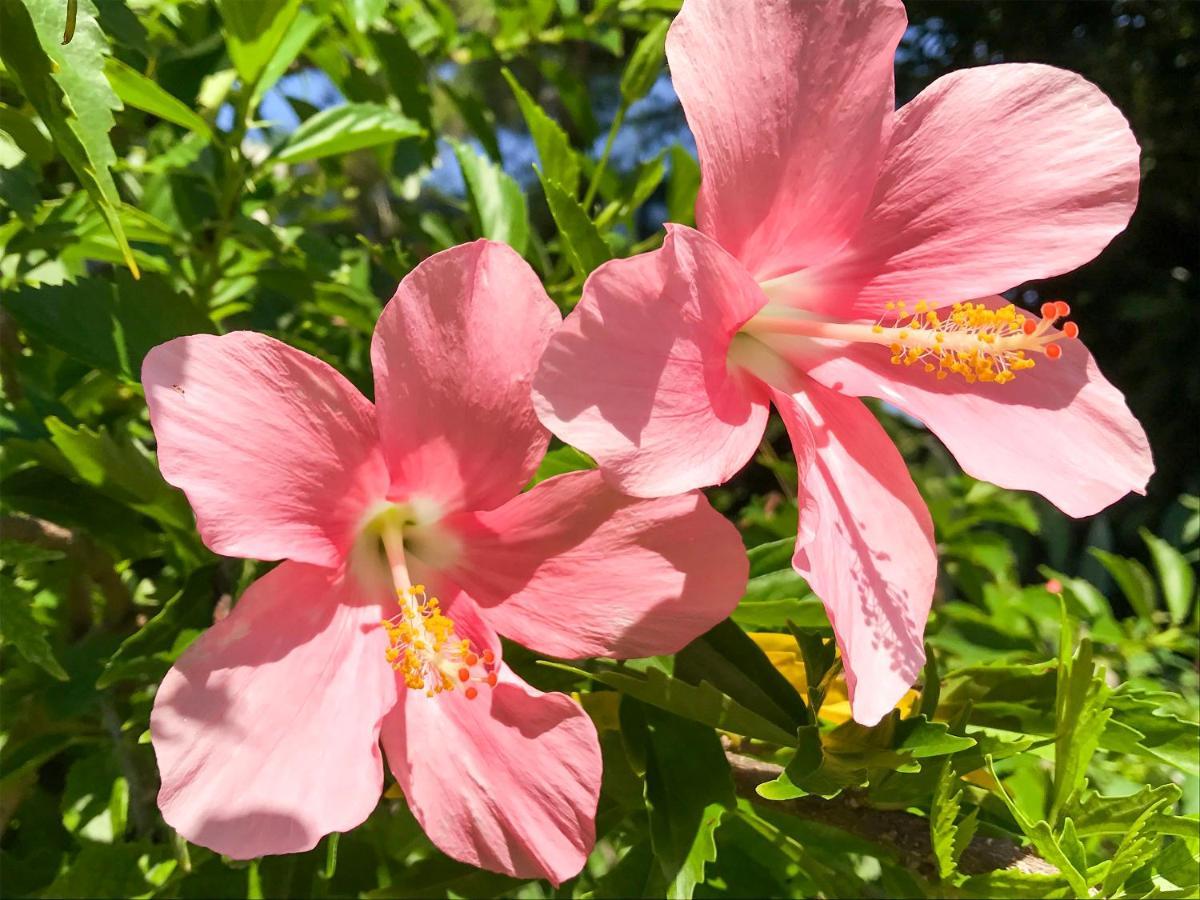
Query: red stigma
(1062,309)
(1029,327)
(472,659)
(488,657)
(1049,310)
(1070,329)
(491,679)
(1053,351)
(464,674)
(472,693)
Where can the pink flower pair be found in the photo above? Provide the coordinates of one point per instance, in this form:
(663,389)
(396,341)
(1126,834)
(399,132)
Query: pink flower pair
(407,547)
(834,234)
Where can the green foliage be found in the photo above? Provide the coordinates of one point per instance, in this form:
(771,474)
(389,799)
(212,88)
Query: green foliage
(191,166)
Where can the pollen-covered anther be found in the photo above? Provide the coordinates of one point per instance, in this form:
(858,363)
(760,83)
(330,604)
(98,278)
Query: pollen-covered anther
(425,648)
(973,340)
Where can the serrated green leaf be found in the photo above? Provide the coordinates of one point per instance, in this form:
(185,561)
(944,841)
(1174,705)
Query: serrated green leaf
(943,822)
(65,84)
(645,63)
(558,160)
(581,238)
(1080,719)
(1174,574)
(498,204)
(108,324)
(19,628)
(700,702)
(190,608)
(1094,814)
(120,471)
(1138,846)
(138,91)
(344,129)
(688,789)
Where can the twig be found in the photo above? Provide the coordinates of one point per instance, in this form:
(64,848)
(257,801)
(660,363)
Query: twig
(905,834)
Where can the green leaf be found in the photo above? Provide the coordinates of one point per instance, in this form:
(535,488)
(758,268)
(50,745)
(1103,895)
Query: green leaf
(497,201)
(302,29)
(682,187)
(726,657)
(343,129)
(1094,814)
(688,789)
(1080,718)
(559,462)
(558,160)
(190,608)
(949,836)
(406,76)
(16,553)
(65,84)
(108,324)
(120,471)
(699,702)
(253,32)
(1138,846)
(95,801)
(581,238)
(138,91)
(1132,578)
(19,628)
(1174,574)
(645,63)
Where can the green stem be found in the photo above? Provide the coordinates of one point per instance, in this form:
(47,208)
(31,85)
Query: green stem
(598,172)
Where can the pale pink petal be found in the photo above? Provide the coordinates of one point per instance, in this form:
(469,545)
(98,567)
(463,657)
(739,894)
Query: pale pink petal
(1060,428)
(454,352)
(996,176)
(637,375)
(276,451)
(267,728)
(869,554)
(791,105)
(573,569)
(508,781)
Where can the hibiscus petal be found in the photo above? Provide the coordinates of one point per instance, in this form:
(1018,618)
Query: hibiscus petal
(276,451)
(454,352)
(871,556)
(507,781)
(1060,428)
(267,728)
(995,176)
(637,375)
(787,171)
(573,569)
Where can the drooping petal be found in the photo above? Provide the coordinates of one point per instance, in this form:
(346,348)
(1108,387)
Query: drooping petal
(995,176)
(507,781)
(454,352)
(572,568)
(267,728)
(637,375)
(870,553)
(1060,428)
(791,108)
(276,451)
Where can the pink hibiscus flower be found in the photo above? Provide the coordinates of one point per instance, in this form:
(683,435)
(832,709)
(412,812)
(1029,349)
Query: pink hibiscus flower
(834,232)
(267,730)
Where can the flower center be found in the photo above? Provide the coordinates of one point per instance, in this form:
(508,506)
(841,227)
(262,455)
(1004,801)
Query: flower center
(972,340)
(423,643)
